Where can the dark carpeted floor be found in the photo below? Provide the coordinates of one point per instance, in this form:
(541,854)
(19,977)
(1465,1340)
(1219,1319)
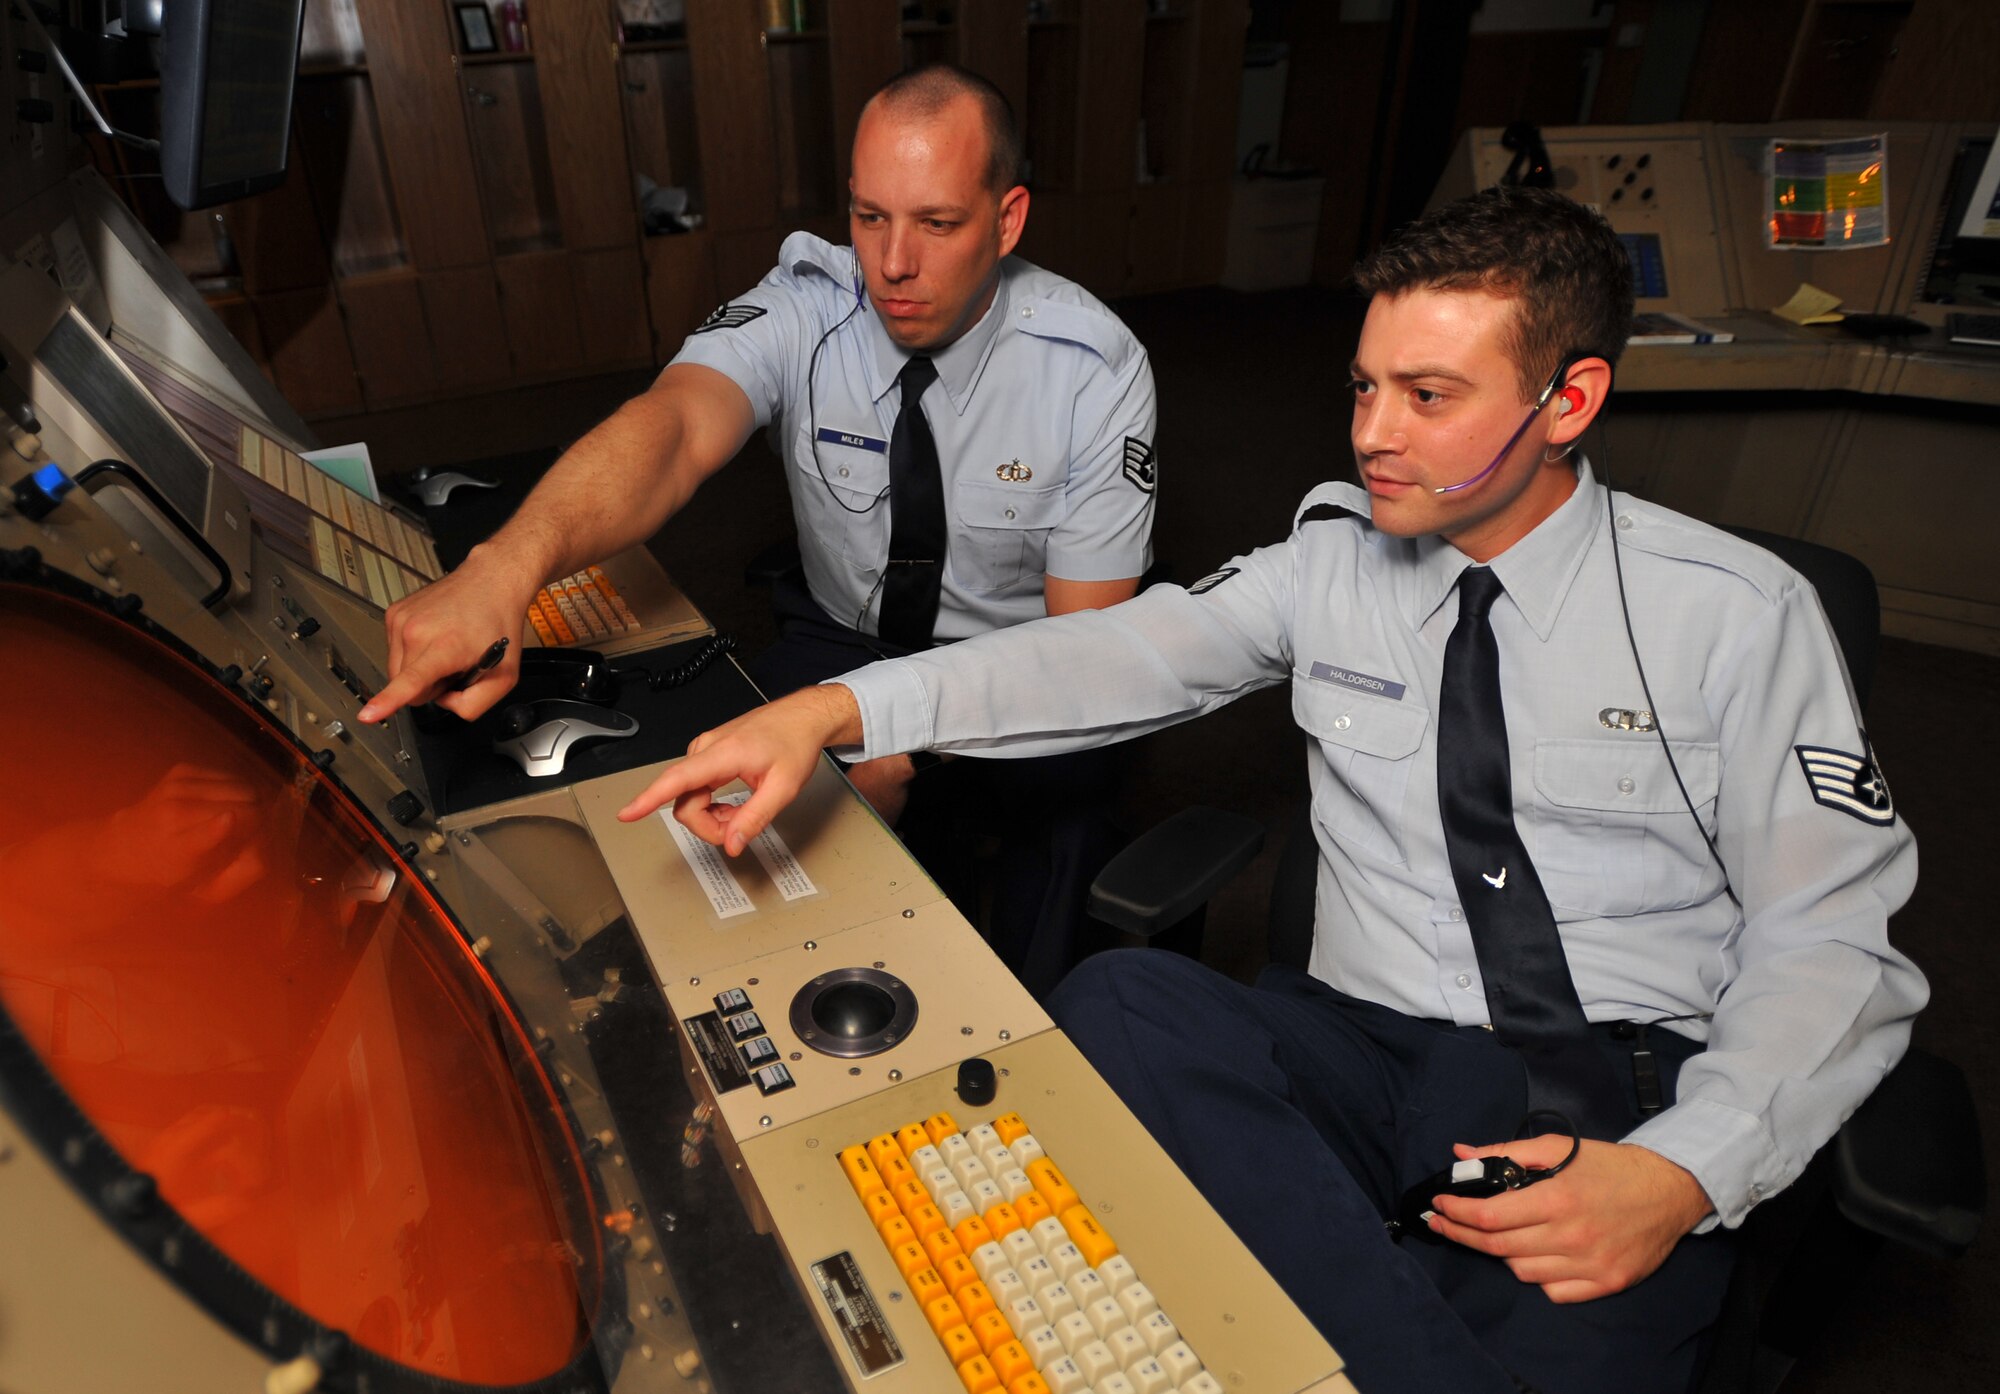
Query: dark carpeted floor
(1254,414)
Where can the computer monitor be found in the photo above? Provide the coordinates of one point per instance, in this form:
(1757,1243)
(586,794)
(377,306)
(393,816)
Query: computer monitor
(1964,270)
(226,74)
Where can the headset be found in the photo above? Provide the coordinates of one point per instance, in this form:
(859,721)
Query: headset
(1573,400)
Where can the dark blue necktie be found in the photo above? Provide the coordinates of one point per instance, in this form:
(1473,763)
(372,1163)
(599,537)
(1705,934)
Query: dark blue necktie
(1529,994)
(915,573)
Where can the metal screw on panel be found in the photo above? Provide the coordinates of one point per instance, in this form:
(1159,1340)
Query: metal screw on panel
(880,964)
(965,1030)
(765,1121)
(694,982)
(895,1075)
(1005,1034)
(909,914)
(751,981)
(811,945)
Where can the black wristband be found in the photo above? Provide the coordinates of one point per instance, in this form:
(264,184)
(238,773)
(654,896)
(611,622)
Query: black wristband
(921,760)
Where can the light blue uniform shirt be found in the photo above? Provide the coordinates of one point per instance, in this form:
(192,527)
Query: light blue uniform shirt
(1811,1004)
(1042,411)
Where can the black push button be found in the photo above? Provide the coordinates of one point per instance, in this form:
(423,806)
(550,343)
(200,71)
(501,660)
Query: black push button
(730,1001)
(975,1082)
(772,1078)
(744,1025)
(758,1053)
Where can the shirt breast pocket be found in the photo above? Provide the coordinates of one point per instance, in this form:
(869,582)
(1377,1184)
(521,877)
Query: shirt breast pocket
(1001,533)
(838,503)
(1611,833)
(1369,746)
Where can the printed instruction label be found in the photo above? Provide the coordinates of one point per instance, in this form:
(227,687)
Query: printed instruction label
(711,869)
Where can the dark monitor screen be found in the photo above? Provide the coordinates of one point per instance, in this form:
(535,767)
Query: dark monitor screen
(1963,270)
(226,74)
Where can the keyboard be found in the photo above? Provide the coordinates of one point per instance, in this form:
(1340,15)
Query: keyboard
(584,608)
(1023,1287)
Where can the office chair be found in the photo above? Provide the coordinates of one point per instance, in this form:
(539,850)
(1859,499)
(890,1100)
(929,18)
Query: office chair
(1908,1166)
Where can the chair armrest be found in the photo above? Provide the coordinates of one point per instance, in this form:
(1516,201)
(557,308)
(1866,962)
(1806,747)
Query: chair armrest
(1909,1164)
(1171,871)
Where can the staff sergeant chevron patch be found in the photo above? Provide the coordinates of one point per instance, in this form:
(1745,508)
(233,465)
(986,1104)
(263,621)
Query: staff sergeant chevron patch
(727,316)
(1141,465)
(1850,783)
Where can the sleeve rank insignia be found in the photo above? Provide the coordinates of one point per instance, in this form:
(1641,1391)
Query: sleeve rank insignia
(1850,783)
(727,316)
(1212,580)
(1141,464)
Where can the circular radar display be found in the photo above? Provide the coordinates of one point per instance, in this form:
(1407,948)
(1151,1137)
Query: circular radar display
(233,978)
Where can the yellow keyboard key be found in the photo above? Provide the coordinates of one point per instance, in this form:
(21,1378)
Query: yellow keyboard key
(958,1274)
(896,1169)
(926,1220)
(942,1245)
(978,1376)
(1088,1235)
(1002,1220)
(960,1345)
(910,1257)
(1009,1126)
(972,1233)
(1051,1184)
(909,1194)
(880,1206)
(897,1231)
(861,1170)
(975,1299)
(940,1126)
(1032,1209)
(943,1314)
(1030,1383)
(912,1136)
(992,1330)
(1011,1361)
(927,1286)
(884,1147)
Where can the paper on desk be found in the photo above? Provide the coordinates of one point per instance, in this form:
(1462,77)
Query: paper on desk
(1810,305)
(725,893)
(349,464)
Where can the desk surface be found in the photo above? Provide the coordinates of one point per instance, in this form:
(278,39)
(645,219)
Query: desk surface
(1769,354)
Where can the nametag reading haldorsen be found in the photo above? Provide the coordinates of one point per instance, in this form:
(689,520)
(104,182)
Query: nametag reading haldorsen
(1360,682)
(829,436)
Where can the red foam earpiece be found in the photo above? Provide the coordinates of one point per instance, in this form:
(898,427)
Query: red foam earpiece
(1572,399)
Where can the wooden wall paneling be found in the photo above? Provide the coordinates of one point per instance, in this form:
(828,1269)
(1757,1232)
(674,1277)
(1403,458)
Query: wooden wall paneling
(733,101)
(1114,48)
(538,302)
(680,288)
(510,153)
(864,40)
(239,317)
(1205,235)
(1050,240)
(1333,109)
(307,344)
(341,142)
(393,356)
(1104,232)
(576,60)
(468,332)
(611,306)
(424,139)
(1839,58)
(1942,66)
(1534,75)
(1158,237)
(1050,125)
(1166,89)
(1217,92)
(660,119)
(801,88)
(276,236)
(1742,58)
(743,258)
(993,42)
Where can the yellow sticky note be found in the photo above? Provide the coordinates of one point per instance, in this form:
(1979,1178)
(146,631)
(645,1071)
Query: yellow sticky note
(1810,305)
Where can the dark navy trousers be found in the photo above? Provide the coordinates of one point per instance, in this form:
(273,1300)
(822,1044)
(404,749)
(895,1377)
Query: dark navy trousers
(1302,1114)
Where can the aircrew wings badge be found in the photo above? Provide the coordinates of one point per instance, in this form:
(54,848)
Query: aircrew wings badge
(1850,783)
(727,316)
(1141,465)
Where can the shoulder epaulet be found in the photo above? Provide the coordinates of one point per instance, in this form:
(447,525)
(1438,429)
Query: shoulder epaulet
(1048,307)
(1661,532)
(804,253)
(1331,501)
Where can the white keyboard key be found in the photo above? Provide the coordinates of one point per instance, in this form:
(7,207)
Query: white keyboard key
(989,1258)
(1020,1246)
(983,1137)
(1148,1377)
(986,1193)
(1006,1285)
(1023,1313)
(970,1171)
(926,1157)
(1067,1258)
(1044,1347)
(1096,1361)
(1118,1271)
(1105,1315)
(1038,1273)
(1075,1330)
(1049,1233)
(954,1148)
(956,1207)
(1063,1377)
(1025,1149)
(998,1158)
(1159,1331)
(1014,1182)
(1129,1346)
(1137,1299)
(1057,1302)
(938,1179)
(1179,1362)
(1203,1383)
(1113,1383)
(1085,1286)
